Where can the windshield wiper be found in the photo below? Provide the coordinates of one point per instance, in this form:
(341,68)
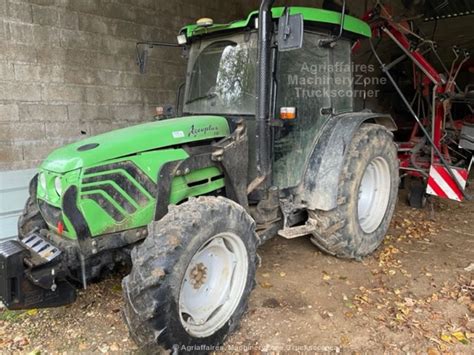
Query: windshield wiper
(207,96)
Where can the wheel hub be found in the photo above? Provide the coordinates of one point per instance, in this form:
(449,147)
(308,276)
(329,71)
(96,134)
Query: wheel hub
(213,285)
(198,275)
(374,194)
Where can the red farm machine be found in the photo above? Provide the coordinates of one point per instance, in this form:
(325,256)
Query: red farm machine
(436,152)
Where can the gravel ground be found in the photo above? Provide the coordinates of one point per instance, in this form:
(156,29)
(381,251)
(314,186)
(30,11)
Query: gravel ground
(415,294)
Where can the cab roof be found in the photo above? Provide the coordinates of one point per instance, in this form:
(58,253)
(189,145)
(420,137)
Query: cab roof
(351,24)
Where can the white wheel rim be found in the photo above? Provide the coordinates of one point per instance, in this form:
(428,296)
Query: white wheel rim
(213,285)
(374,194)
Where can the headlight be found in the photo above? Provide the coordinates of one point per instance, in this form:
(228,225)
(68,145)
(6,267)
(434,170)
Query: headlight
(58,186)
(42,180)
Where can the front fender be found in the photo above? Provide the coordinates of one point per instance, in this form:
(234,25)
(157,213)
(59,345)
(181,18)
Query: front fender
(319,186)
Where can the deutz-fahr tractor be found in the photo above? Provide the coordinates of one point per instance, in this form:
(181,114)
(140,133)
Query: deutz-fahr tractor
(267,144)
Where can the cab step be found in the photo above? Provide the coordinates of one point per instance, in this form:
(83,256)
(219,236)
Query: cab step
(296,232)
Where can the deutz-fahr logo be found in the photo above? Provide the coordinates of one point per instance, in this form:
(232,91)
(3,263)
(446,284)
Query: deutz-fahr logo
(195,131)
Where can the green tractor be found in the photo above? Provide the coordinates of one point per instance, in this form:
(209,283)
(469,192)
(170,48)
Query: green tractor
(267,144)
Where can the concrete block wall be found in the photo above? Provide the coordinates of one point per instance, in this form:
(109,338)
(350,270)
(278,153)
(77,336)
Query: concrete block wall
(67,68)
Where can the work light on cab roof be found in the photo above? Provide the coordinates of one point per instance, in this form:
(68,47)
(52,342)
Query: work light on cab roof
(205,22)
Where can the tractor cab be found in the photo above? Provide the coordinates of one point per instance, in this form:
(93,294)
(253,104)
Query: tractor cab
(311,79)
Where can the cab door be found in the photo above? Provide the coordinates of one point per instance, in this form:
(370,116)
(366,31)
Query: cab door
(317,82)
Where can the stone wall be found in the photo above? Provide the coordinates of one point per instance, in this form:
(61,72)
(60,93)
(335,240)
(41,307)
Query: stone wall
(67,68)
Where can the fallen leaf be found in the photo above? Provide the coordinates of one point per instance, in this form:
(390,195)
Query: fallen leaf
(399,317)
(460,337)
(32,312)
(282,274)
(405,310)
(446,338)
(117,288)
(266,284)
(432,351)
(409,302)
(345,340)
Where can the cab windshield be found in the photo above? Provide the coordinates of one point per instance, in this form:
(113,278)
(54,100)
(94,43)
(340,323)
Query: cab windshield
(221,76)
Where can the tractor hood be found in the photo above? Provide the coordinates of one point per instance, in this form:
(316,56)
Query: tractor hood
(135,139)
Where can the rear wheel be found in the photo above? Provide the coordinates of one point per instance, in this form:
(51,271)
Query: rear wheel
(192,276)
(367,195)
(31,217)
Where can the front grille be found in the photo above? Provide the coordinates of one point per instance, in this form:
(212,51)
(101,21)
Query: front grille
(127,176)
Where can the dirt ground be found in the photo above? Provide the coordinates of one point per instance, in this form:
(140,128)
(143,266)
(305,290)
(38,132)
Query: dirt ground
(415,294)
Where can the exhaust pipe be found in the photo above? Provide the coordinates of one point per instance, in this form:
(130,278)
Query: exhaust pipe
(263,132)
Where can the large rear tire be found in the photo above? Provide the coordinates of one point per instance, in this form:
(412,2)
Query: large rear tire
(31,217)
(191,278)
(367,195)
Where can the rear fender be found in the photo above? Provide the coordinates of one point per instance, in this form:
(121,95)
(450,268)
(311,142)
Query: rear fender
(319,187)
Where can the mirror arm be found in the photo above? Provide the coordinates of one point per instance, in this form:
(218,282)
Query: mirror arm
(331,42)
(141,57)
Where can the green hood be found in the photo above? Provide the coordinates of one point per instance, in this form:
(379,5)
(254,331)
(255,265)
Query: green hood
(135,139)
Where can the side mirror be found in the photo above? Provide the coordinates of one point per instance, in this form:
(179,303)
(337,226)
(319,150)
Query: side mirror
(143,48)
(290,31)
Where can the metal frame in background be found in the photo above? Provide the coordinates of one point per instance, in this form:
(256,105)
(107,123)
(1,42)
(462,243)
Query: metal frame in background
(382,24)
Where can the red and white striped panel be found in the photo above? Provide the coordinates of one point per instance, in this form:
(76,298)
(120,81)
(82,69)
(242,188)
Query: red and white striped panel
(441,184)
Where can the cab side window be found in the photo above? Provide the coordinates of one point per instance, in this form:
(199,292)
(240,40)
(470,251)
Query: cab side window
(317,81)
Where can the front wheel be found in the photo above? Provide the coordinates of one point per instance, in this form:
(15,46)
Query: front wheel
(367,195)
(192,276)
